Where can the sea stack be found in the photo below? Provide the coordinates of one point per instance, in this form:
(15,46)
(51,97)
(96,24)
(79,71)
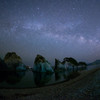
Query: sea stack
(13,61)
(42,65)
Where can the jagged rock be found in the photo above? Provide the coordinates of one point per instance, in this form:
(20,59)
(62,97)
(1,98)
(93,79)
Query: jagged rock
(42,65)
(60,65)
(3,66)
(13,61)
(68,63)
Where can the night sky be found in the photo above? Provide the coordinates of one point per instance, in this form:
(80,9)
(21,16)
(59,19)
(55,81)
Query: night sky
(52,28)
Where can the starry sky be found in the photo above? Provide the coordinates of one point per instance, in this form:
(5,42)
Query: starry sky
(52,28)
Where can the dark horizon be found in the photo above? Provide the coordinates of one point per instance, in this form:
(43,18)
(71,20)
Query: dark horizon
(51,28)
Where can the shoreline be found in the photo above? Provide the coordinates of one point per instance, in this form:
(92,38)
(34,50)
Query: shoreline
(44,90)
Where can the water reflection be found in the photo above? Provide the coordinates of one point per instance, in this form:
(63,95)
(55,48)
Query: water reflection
(26,79)
(41,79)
(3,76)
(11,77)
(60,75)
(15,77)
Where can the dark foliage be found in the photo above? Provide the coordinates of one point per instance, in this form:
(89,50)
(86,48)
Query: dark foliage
(39,58)
(82,63)
(71,60)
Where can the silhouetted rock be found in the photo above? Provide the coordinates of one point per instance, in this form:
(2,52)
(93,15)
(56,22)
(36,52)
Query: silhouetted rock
(60,65)
(72,62)
(39,58)
(68,63)
(82,64)
(13,61)
(42,65)
(3,66)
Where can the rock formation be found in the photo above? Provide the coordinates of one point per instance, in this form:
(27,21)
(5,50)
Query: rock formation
(42,65)
(60,65)
(13,61)
(73,63)
(68,63)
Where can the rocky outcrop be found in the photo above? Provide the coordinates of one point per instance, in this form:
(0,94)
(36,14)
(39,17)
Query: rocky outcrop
(68,63)
(61,65)
(72,62)
(42,65)
(13,61)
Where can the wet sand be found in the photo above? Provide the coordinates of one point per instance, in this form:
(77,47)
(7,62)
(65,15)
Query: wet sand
(84,87)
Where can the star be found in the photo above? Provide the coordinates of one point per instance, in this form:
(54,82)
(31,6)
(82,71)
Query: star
(56,28)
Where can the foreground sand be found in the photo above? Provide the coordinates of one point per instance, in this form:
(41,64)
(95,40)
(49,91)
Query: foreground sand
(84,87)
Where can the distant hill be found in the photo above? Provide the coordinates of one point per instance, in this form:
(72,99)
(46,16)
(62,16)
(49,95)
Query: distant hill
(97,62)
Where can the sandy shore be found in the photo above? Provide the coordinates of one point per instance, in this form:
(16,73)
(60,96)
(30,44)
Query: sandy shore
(84,87)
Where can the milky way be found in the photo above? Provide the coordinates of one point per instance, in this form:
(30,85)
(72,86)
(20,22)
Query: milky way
(52,28)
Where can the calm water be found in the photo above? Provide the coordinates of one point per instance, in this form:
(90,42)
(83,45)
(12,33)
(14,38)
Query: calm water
(29,79)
